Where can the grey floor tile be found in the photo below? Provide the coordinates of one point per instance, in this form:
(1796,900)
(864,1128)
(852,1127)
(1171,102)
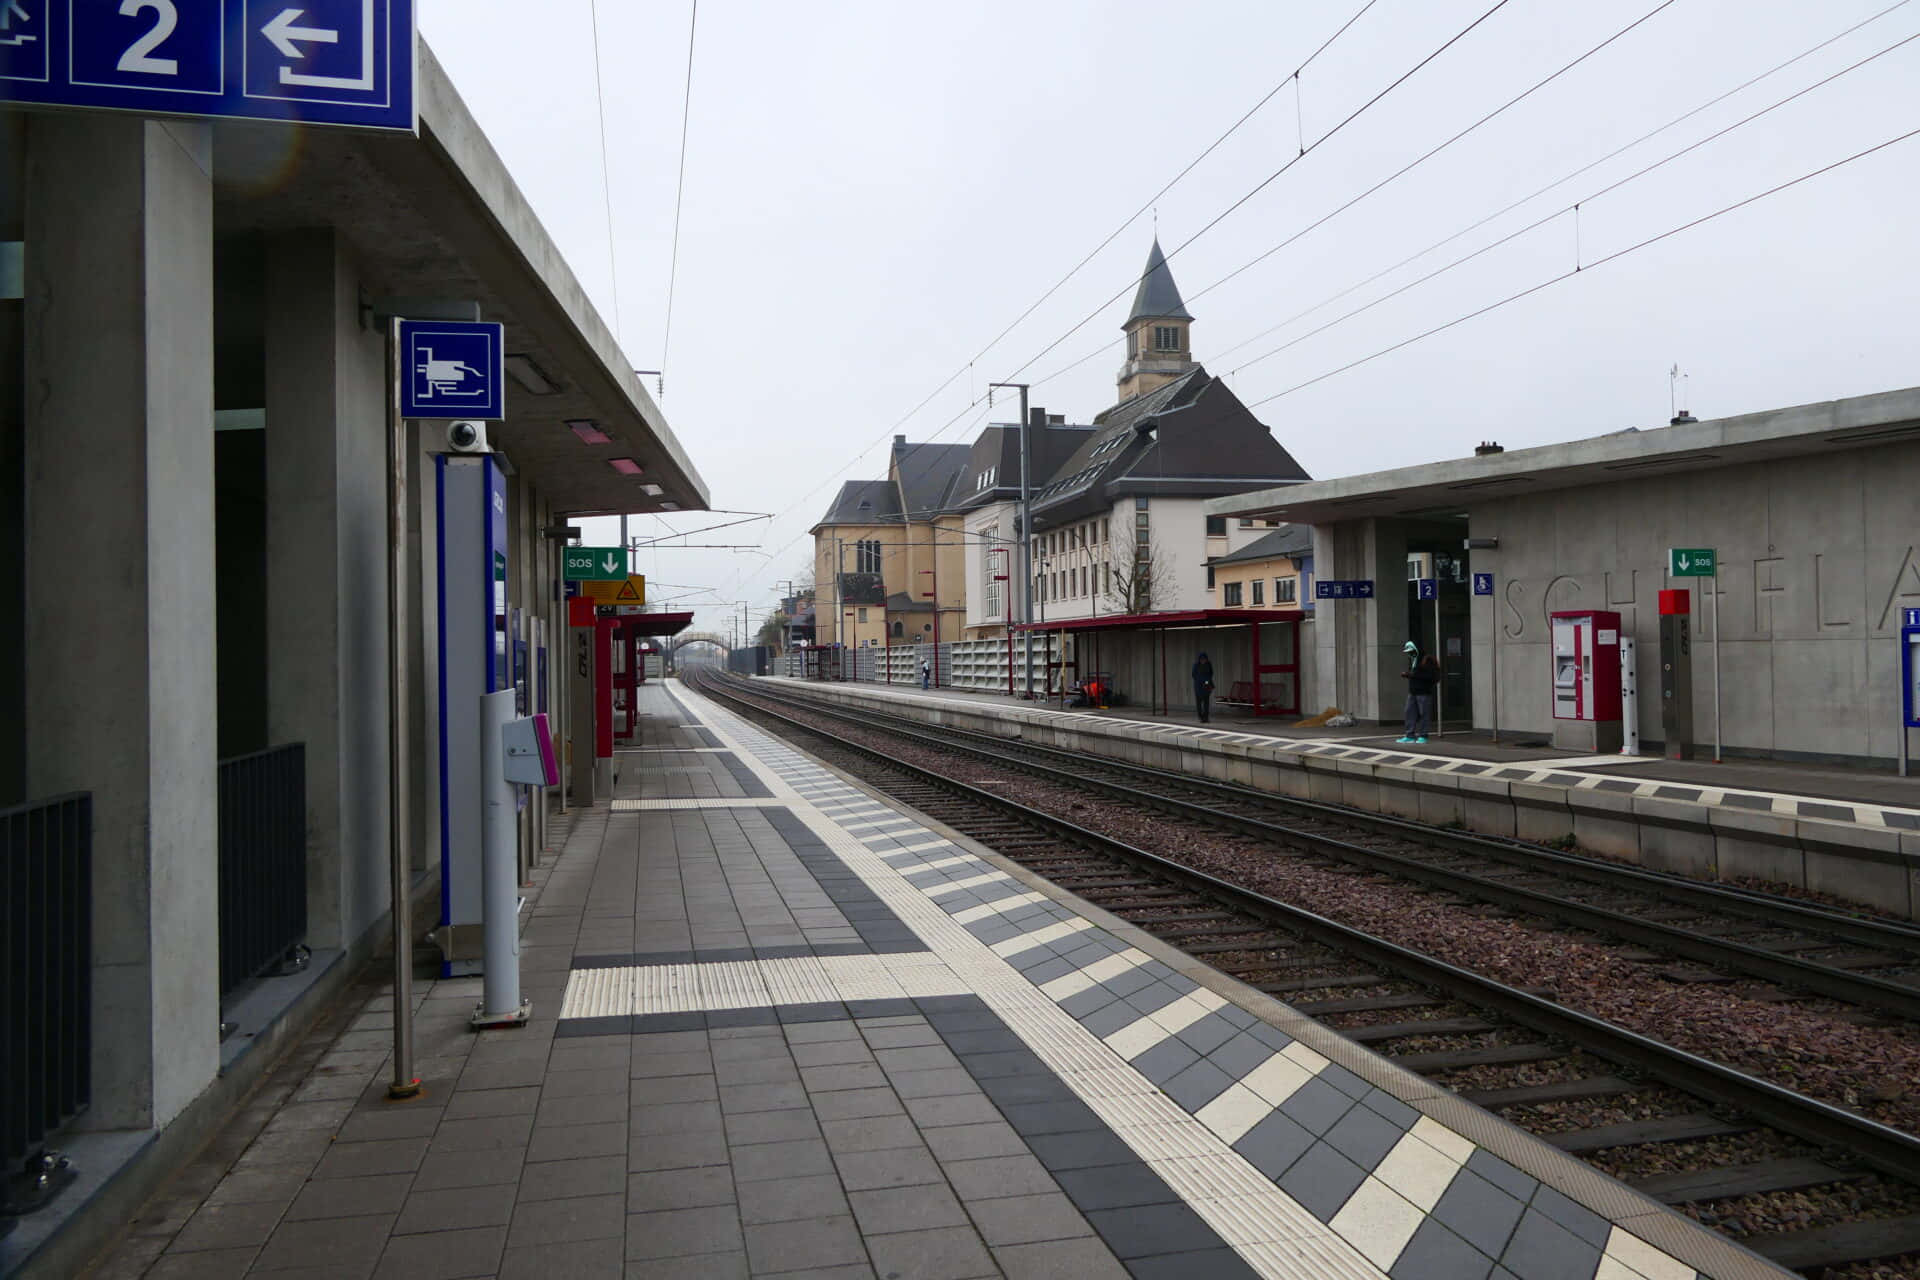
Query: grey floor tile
(942,1253)
(1577,1218)
(1316,1106)
(894,1167)
(1218,1263)
(1083,1259)
(692,1063)
(345,1244)
(855,1104)
(892,1209)
(652,1090)
(741,1099)
(364,1126)
(676,1150)
(771,1126)
(471,1104)
(974,1141)
(487,1133)
(1479,1212)
(581,1218)
(1081,1150)
(787,1199)
(706,1266)
(575,1260)
(576,1141)
(1027,1219)
(583,1083)
(1363,1136)
(1435,1253)
(997,1176)
(780,1160)
(843,1075)
(680,1232)
(360,1159)
(679,1189)
(444,1255)
(234,1226)
(204,1264)
(1115,1186)
(809,1243)
(871,1133)
(455,1209)
(1143,1230)
(577,1176)
(771,1069)
(1322,1181)
(467,1169)
(674,1117)
(588,1108)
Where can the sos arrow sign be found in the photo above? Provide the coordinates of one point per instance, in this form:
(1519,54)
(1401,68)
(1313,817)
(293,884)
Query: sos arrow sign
(594,564)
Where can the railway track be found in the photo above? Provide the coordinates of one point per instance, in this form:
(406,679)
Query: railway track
(1717,1143)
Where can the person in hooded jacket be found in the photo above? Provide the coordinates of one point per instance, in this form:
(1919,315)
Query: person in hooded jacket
(1422,676)
(1203,687)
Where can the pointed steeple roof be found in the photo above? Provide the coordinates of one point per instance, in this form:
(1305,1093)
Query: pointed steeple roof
(1158,298)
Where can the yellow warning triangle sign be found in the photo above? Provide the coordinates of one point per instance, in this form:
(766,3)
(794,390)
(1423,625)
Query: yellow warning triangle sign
(632,591)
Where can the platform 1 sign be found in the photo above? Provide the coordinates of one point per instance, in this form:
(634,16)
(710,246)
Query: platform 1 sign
(1343,589)
(331,62)
(1692,562)
(591,564)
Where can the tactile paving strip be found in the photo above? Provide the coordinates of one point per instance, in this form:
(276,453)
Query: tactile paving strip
(1335,1159)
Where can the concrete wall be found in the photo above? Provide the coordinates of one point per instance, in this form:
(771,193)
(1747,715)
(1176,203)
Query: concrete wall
(120,683)
(326,555)
(1817,557)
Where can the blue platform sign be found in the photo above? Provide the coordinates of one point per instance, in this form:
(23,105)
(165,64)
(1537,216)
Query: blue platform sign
(1428,588)
(336,62)
(1912,617)
(1343,589)
(451,368)
(1483,584)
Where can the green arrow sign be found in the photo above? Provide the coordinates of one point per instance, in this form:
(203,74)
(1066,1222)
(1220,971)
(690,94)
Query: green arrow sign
(1692,562)
(594,564)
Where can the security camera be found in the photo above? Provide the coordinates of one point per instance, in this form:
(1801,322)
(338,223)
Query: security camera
(467,437)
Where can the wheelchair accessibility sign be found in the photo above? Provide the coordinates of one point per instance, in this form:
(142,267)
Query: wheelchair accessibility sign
(451,369)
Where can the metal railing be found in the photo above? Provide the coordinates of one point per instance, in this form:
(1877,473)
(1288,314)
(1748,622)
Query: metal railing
(263,862)
(46,979)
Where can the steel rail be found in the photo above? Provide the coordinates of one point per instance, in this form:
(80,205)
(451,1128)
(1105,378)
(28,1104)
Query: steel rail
(1879,993)
(1880,1146)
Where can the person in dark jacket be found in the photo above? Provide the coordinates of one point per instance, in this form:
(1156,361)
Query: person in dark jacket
(1203,687)
(1421,678)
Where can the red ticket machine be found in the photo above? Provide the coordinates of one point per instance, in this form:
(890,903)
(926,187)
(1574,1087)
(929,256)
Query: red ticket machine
(1586,681)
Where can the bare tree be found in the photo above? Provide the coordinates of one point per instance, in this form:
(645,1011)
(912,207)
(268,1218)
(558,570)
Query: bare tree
(1131,573)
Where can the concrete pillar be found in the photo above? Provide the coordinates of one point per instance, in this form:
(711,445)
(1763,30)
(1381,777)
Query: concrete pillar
(120,691)
(326,572)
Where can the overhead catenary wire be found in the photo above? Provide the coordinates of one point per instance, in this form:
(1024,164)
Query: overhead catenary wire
(1574,208)
(965,369)
(1588,269)
(606,176)
(679,193)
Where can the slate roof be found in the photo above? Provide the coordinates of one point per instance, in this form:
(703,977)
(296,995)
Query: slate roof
(1157,298)
(929,476)
(1294,540)
(863,502)
(998,449)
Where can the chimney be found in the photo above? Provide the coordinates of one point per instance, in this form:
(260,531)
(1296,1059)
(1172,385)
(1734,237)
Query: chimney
(1056,419)
(1681,419)
(899,442)
(1036,417)
(1486,447)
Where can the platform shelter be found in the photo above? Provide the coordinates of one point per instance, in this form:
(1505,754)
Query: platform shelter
(1147,658)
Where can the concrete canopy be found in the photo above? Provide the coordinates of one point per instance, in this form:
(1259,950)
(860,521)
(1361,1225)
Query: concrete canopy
(439,217)
(1447,489)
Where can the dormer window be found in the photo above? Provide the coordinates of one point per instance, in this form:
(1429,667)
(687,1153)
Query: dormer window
(1166,337)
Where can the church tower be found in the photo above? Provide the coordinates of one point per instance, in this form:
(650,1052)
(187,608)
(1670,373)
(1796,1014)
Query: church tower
(1158,346)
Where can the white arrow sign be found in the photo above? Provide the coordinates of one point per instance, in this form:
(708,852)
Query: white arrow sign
(283,33)
(610,564)
(1684,562)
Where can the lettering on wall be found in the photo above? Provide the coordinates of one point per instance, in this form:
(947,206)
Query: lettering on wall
(1908,572)
(1764,589)
(1821,621)
(1546,597)
(1517,624)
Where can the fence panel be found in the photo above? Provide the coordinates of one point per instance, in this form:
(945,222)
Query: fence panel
(46,971)
(263,861)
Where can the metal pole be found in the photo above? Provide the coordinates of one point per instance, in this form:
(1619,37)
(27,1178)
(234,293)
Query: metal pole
(558,671)
(1439,658)
(1493,659)
(1713,585)
(1026,528)
(1629,699)
(501,1005)
(405,1084)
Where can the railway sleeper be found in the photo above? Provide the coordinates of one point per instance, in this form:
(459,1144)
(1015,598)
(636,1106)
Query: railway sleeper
(1268,943)
(1836,1246)
(1384,1031)
(1765,1177)
(1688,1127)
(1532,1095)
(1496,1055)
(1204,926)
(1330,982)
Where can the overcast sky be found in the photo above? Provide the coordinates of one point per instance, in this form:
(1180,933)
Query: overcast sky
(875,190)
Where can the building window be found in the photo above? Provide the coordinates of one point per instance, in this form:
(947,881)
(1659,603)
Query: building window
(1230,594)
(1246,522)
(1104,531)
(1259,591)
(993,558)
(898,629)
(860,615)
(1217,526)
(1140,504)
(1209,577)
(1166,337)
(1285,590)
(866,555)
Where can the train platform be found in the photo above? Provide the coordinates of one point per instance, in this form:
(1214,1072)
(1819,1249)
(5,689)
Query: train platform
(782,1027)
(1848,833)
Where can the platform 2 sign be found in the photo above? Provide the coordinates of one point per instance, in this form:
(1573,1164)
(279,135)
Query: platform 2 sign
(1692,562)
(331,62)
(1343,589)
(1428,588)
